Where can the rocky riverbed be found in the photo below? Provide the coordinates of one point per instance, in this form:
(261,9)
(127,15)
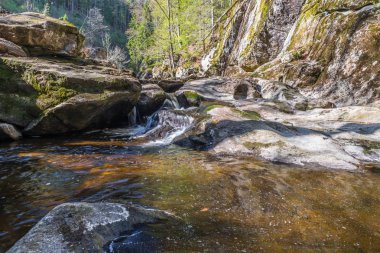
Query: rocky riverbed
(246,162)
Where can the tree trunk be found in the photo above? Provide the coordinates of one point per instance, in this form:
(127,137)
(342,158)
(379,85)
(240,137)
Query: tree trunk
(171,54)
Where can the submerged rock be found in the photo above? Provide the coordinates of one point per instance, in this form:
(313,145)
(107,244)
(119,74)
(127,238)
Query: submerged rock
(41,35)
(84,227)
(53,96)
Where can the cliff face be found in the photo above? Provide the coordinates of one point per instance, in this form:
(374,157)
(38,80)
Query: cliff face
(328,49)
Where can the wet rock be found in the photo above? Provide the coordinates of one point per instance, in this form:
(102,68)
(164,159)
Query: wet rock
(167,125)
(78,227)
(8,48)
(41,35)
(219,88)
(338,138)
(9,132)
(151,99)
(170,86)
(209,88)
(52,96)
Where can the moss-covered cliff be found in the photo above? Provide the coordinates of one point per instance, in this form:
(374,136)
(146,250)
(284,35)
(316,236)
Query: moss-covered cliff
(327,48)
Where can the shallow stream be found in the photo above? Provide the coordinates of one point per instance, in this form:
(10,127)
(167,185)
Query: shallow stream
(225,204)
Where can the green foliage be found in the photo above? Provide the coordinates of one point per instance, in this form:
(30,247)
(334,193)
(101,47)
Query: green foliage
(141,39)
(116,12)
(64,17)
(162,29)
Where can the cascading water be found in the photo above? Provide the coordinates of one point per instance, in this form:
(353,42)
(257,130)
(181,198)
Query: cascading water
(171,102)
(161,128)
(168,125)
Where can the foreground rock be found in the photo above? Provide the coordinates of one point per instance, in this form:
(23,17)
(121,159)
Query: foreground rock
(275,129)
(79,227)
(52,96)
(9,132)
(41,35)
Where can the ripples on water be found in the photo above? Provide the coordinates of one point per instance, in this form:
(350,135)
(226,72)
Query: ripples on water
(226,204)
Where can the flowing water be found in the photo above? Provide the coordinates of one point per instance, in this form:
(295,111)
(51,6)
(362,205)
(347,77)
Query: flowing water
(224,204)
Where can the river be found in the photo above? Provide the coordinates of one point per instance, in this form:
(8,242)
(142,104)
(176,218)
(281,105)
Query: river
(225,204)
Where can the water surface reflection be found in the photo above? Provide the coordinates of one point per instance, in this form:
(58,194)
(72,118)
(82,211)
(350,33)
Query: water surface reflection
(227,204)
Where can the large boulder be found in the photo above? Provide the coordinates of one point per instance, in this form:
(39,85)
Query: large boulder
(339,138)
(84,227)
(51,96)
(170,85)
(151,99)
(273,121)
(41,35)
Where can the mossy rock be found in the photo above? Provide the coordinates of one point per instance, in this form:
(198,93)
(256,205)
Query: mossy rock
(251,115)
(42,94)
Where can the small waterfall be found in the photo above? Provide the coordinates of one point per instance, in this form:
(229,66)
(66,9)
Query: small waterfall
(161,128)
(171,102)
(206,61)
(166,125)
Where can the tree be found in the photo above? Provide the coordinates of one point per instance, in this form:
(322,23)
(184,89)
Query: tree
(118,57)
(177,25)
(46,10)
(93,27)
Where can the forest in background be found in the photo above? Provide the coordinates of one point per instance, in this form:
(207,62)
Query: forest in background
(152,31)
(116,12)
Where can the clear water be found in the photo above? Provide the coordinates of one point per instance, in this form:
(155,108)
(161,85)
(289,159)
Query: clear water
(225,204)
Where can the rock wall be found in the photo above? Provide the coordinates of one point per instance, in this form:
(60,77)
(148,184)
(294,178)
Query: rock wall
(328,49)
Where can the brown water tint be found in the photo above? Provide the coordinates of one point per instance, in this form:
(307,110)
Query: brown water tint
(226,204)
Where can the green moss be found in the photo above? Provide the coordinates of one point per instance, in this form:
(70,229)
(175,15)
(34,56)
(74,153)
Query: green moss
(262,15)
(259,145)
(191,95)
(49,87)
(212,107)
(252,115)
(369,146)
(55,96)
